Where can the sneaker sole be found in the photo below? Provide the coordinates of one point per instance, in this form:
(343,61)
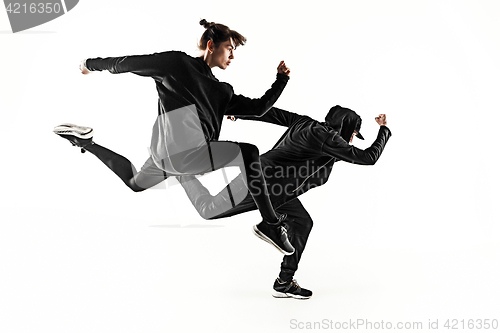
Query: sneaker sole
(259,234)
(81,132)
(278,294)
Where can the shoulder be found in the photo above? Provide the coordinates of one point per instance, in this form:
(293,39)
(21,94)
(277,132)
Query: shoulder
(310,129)
(173,54)
(315,127)
(325,132)
(165,56)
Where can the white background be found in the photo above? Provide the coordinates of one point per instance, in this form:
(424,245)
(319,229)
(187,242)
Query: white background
(413,238)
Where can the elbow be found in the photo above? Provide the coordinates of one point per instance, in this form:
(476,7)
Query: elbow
(261,112)
(262,108)
(371,160)
(370,157)
(362,162)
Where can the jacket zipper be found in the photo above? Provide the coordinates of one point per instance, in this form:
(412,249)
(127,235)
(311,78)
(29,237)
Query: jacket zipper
(312,175)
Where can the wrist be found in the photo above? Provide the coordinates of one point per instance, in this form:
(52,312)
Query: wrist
(85,65)
(281,76)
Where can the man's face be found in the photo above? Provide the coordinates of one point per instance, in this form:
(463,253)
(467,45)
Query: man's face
(223,54)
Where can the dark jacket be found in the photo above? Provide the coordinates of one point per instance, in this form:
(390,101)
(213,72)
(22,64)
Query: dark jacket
(304,155)
(182,80)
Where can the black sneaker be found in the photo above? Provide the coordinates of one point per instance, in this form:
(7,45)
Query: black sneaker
(79,136)
(274,235)
(290,290)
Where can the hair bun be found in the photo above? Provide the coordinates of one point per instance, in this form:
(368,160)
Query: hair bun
(205,24)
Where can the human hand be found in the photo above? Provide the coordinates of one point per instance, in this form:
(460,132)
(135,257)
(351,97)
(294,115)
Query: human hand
(282,69)
(84,69)
(381,120)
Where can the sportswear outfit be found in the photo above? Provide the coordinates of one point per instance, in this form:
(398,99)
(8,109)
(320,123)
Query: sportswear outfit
(191,107)
(301,159)
(187,87)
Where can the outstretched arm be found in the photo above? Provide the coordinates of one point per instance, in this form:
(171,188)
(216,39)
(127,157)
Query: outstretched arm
(145,65)
(240,105)
(337,147)
(276,116)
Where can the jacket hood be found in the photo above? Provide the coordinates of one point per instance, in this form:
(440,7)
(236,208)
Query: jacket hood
(344,121)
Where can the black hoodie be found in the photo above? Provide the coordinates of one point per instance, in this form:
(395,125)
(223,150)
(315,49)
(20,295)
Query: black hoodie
(182,81)
(304,155)
(344,121)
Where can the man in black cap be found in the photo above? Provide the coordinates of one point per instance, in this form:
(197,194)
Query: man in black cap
(301,159)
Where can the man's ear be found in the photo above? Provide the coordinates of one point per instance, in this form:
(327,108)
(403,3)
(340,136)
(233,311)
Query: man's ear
(210,45)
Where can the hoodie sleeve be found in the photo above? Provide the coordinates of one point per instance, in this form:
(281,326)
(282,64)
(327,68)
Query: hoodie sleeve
(337,147)
(240,105)
(276,116)
(151,65)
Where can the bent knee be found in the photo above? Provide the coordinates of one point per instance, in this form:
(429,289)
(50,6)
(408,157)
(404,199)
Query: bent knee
(134,187)
(309,224)
(202,211)
(302,226)
(205,212)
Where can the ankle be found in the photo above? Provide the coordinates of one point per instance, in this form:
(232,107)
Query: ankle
(278,221)
(284,280)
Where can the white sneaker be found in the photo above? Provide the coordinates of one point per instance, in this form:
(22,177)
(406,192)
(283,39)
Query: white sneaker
(81,132)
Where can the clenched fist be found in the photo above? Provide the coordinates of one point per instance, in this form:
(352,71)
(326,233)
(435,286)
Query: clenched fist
(282,69)
(381,120)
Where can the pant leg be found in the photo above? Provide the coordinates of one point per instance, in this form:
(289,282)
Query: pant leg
(251,169)
(299,225)
(225,153)
(232,200)
(149,175)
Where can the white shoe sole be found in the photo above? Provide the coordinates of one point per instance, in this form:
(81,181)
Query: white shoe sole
(278,294)
(259,234)
(81,132)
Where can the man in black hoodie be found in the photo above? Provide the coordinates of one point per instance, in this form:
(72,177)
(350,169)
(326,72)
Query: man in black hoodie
(301,159)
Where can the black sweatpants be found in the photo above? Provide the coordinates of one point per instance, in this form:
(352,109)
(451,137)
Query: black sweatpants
(298,223)
(213,156)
